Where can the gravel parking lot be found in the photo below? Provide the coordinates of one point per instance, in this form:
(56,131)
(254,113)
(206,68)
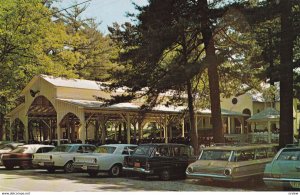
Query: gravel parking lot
(40,180)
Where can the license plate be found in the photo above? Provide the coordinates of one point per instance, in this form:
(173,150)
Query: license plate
(295,184)
(84,167)
(137,164)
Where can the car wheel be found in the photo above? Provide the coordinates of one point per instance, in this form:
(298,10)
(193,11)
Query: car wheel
(165,175)
(93,173)
(10,167)
(115,171)
(51,170)
(69,168)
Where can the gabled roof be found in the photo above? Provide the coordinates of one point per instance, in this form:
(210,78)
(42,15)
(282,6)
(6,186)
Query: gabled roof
(67,82)
(265,115)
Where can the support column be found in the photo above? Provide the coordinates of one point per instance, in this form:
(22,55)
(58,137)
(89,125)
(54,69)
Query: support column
(166,129)
(242,126)
(140,130)
(269,132)
(128,128)
(182,124)
(82,131)
(10,130)
(229,125)
(26,129)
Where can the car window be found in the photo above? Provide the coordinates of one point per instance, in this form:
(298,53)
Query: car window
(289,154)
(105,149)
(143,150)
(244,155)
(89,148)
(62,148)
(128,150)
(261,153)
(163,151)
(222,155)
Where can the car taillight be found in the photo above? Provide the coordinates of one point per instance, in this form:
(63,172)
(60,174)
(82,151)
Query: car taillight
(227,172)
(190,169)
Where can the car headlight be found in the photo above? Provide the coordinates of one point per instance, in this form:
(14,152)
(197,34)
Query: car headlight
(227,172)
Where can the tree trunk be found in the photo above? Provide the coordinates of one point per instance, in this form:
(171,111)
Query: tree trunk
(286,75)
(2,129)
(193,133)
(213,76)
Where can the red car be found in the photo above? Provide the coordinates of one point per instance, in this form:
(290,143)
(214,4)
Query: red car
(22,155)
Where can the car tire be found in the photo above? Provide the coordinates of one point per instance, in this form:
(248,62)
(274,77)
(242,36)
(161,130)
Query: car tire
(69,168)
(165,175)
(93,174)
(51,170)
(115,171)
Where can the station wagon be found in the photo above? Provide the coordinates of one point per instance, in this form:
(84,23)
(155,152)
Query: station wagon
(284,170)
(163,160)
(232,162)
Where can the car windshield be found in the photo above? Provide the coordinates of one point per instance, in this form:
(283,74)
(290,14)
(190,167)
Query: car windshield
(105,149)
(143,150)
(19,150)
(289,154)
(222,155)
(62,148)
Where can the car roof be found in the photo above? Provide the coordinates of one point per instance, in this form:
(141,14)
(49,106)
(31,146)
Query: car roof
(117,145)
(240,147)
(162,144)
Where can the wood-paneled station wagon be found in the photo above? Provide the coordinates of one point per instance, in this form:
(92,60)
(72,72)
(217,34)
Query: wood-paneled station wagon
(61,157)
(107,158)
(22,155)
(232,162)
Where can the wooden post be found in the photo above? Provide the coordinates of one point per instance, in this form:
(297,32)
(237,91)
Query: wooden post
(166,129)
(182,131)
(269,132)
(128,128)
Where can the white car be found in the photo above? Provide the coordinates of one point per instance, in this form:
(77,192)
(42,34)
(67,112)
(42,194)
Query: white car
(61,157)
(107,158)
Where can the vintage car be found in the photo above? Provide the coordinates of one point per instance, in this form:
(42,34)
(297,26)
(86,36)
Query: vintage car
(106,158)
(61,157)
(232,163)
(163,160)
(7,147)
(284,170)
(22,155)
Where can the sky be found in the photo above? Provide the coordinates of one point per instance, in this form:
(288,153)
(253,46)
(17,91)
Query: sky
(105,11)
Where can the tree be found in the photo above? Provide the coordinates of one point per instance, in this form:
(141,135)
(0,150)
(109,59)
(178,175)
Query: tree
(30,44)
(171,46)
(94,51)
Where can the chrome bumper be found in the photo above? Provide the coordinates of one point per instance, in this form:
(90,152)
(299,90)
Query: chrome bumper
(43,163)
(139,170)
(86,167)
(211,176)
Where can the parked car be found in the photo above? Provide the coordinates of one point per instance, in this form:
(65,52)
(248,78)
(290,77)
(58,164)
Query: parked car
(284,170)
(106,158)
(163,160)
(7,147)
(61,157)
(232,163)
(22,155)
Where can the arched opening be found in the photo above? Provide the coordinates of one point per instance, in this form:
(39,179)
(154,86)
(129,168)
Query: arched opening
(18,130)
(247,125)
(41,120)
(70,126)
